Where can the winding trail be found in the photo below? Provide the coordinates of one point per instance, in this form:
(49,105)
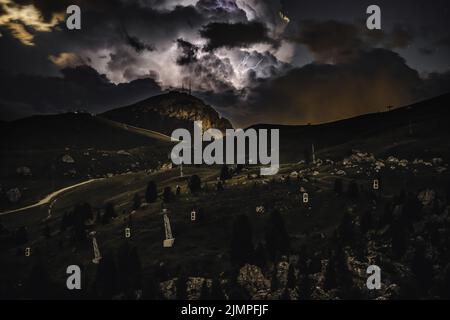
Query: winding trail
(50,197)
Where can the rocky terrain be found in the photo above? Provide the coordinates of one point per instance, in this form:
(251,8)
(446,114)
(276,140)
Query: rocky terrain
(169,111)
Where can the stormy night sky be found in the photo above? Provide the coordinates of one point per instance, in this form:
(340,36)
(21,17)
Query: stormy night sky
(274,61)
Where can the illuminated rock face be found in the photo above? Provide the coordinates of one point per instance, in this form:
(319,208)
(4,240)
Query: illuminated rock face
(169,111)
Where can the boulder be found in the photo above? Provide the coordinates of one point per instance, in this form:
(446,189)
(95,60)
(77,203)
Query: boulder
(14,195)
(24,171)
(253,281)
(67,159)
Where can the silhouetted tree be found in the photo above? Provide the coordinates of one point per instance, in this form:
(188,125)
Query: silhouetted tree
(330,274)
(38,286)
(305,287)
(241,241)
(274,283)
(225,173)
(129,270)
(366,222)
(346,230)
(181,287)
(444,287)
(422,269)
(353,190)
(260,256)
(167,194)
(151,193)
(136,201)
(387,217)
(307,154)
(285,295)
(195,183)
(204,291)
(343,274)
(411,210)
(338,186)
(291,281)
(216,290)
(276,236)
(302,262)
(110,213)
(106,277)
(152,290)
(398,238)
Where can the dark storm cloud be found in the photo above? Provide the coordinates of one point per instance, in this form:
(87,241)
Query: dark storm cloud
(188,52)
(79,88)
(320,92)
(137,44)
(401,36)
(232,35)
(427,51)
(331,41)
(103,25)
(328,40)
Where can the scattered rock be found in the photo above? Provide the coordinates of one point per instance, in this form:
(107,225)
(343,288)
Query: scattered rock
(24,171)
(67,159)
(123,153)
(14,195)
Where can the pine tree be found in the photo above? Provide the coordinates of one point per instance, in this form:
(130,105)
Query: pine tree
(110,213)
(129,269)
(152,291)
(181,287)
(195,184)
(422,268)
(241,241)
(38,286)
(343,273)
(151,193)
(398,238)
(204,292)
(387,217)
(305,287)
(338,186)
(302,262)
(291,277)
(276,236)
(411,210)
(106,278)
(167,195)
(330,275)
(260,256)
(346,230)
(444,288)
(274,283)
(225,173)
(136,201)
(353,190)
(285,295)
(366,222)
(216,290)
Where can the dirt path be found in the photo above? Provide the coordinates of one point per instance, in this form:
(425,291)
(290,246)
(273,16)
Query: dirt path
(52,196)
